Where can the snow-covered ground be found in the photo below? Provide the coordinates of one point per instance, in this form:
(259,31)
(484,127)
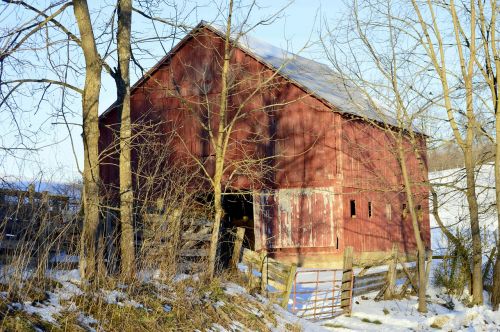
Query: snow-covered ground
(402,315)
(445,313)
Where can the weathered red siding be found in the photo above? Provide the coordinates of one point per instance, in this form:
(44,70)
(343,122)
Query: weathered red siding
(371,173)
(323,159)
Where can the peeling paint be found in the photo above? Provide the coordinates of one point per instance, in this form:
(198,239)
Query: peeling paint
(303,217)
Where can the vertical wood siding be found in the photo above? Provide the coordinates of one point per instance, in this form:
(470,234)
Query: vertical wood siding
(322,159)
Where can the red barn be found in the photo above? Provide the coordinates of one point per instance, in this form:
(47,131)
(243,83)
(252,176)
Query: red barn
(325,174)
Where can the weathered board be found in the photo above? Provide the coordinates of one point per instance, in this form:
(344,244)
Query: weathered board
(272,273)
(375,281)
(276,218)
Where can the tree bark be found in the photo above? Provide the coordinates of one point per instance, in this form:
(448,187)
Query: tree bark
(477,258)
(90,105)
(422,276)
(220,149)
(122,78)
(495,292)
(495,91)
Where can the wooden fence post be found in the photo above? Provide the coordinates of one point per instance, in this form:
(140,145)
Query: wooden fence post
(31,195)
(41,235)
(289,284)
(392,273)
(238,242)
(347,282)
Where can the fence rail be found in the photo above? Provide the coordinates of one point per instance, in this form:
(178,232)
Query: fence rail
(376,281)
(273,277)
(38,225)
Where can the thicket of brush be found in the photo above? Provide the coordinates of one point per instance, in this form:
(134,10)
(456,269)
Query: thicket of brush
(453,271)
(157,299)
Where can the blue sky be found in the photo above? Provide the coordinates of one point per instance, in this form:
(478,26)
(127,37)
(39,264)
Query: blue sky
(55,160)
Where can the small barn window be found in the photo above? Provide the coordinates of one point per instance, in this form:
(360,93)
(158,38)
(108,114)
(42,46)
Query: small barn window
(405,211)
(370,211)
(353,208)
(388,211)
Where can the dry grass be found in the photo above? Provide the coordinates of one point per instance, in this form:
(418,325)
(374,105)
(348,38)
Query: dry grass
(188,305)
(142,304)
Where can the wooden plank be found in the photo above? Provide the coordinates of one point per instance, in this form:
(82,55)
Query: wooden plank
(235,258)
(401,274)
(347,275)
(382,292)
(391,274)
(410,278)
(200,222)
(278,267)
(404,287)
(363,283)
(289,284)
(363,271)
(252,258)
(196,237)
(366,290)
(372,275)
(278,285)
(280,277)
(194,252)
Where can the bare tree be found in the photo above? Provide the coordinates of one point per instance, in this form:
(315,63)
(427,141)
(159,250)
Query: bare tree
(90,98)
(122,78)
(464,31)
(90,112)
(487,59)
(378,75)
(87,42)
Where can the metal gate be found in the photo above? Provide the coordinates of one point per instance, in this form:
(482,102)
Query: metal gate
(320,293)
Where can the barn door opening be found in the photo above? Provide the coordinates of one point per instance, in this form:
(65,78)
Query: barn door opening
(238,212)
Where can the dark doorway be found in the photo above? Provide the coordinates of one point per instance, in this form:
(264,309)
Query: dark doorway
(238,212)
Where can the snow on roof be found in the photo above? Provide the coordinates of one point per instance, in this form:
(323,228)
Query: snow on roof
(316,78)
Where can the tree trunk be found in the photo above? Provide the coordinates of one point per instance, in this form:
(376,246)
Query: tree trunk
(495,292)
(477,259)
(122,78)
(214,241)
(90,106)
(220,148)
(422,276)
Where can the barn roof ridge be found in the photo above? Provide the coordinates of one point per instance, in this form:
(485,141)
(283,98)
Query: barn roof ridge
(316,78)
